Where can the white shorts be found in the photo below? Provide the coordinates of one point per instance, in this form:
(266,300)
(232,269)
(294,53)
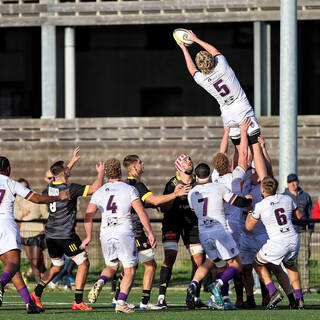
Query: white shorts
(218,244)
(277,250)
(9,236)
(119,245)
(250,246)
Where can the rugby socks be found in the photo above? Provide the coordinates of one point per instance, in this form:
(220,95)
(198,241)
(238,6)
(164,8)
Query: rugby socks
(145,298)
(264,290)
(78,296)
(122,297)
(104,279)
(24,293)
(228,274)
(238,285)
(165,276)
(292,300)
(225,287)
(39,288)
(298,293)
(271,288)
(5,278)
(195,282)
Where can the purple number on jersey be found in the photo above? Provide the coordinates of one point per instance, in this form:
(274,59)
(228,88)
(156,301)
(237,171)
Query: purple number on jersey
(2,193)
(112,205)
(205,205)
(223,89)
(281,218)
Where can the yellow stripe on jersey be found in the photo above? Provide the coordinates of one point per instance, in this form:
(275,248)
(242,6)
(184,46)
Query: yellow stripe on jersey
(57,182)
(85,192)
(146,196)
(132,178)
(32,193)
(233,198)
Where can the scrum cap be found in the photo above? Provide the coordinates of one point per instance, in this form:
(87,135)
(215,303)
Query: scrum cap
(178,163)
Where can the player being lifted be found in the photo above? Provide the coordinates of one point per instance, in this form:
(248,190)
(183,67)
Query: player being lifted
(218,79)
(115,200)
(135,168)
(276,211)
(10,244)
(60,231)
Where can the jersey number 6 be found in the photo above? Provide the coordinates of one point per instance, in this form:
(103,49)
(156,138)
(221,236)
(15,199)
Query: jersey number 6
(281,218)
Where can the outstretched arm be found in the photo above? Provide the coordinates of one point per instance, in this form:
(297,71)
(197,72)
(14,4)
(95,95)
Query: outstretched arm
(189,62)
(208,47)
(98,182)
(75,157)
(39,198)
(225,140)
(243,149)
(266,156)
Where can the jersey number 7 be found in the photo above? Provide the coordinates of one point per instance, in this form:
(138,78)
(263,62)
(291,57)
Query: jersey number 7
(205,205)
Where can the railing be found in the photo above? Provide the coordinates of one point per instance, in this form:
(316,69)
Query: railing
(96,258)
(124,12)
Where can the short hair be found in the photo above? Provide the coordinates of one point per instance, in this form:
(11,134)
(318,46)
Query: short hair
(57,168)
(129,160)
(113,169)
(202,171)
(25,181)
(221,163)
(270,185)
(4,165)
(205,62)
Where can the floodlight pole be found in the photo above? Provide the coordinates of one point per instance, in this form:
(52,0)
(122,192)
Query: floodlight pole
(288,91)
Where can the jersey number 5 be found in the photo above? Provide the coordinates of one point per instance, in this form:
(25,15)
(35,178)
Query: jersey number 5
(222,89)
(112,205)
(281,218)
(205,205)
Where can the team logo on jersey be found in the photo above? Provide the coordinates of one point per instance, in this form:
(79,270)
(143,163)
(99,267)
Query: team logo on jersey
(170,235)
(107,189)
(209,79)
(272,203)
(232,250)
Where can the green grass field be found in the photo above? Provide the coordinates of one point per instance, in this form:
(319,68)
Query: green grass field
(58,307)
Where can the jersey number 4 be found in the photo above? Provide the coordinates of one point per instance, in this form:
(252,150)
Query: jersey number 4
(112,205)
(205,205)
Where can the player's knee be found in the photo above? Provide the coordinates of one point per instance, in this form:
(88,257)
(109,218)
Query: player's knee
(81,258)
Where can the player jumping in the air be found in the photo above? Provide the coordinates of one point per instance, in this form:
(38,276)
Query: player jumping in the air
(214,74)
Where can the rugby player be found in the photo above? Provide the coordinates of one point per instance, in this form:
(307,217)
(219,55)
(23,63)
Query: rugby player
(60,232)
(10,244)
(207,200)
(179,220)
(135,168)
(115,200)
(218,79)
(276,211)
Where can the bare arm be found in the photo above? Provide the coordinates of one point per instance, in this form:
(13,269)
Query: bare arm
(243,149)
(206,46)
(137,206)
(225,140)
(158,200)
(189,62)
(39,198)
(251,222)
(266,156)
(98,182)
(75,157)
(297,214)
(91,211)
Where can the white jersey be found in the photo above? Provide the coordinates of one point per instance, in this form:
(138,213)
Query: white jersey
(8,191)
(207,201)
(114,202)
(224,86)
(276,213)
(234,182)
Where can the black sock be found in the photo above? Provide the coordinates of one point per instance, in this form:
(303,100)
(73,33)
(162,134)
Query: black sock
(78,296)
(250,299)
(238,285)
(264,290)
(39,288)
(198,289)
(118,287)
(145,296)
(292,300)
(165,275)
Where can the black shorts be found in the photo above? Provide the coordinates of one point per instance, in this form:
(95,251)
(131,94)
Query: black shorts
(36,241)
(252,139)
(188,232)
(58,247)
(142,242)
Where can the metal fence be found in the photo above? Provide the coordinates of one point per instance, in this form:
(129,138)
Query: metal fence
(96,257)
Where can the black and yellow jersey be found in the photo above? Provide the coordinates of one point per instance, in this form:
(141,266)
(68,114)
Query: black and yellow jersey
(62,214)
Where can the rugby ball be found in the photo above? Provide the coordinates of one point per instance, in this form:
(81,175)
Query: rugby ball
(181,35)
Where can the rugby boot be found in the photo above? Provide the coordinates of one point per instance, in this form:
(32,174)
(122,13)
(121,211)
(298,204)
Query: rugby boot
(199,304)
(37,301)
(265,301)
(190,298)
(275,298)
(249,305)
(1,293)
(32,309)
(213,305)
(300,303)
(130,305)
(123,308)
(95,291)
(81,306)
(216,293)
(148,306)
(228,305)
(162,302)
